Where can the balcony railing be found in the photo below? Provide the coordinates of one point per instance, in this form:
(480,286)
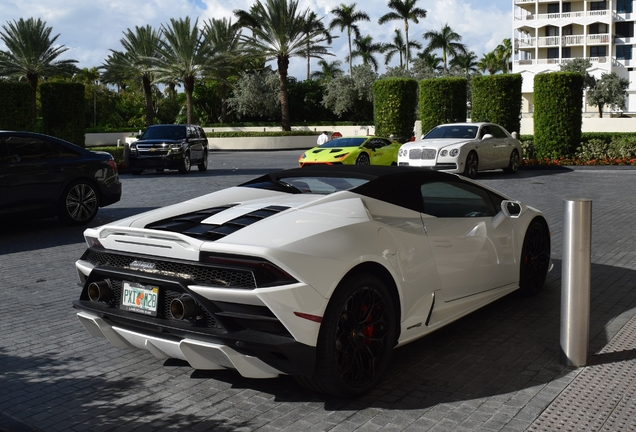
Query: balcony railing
(564,41)
(556,61)
(563,15)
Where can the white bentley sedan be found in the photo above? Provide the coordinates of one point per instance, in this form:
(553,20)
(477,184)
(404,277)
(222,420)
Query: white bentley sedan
(463,148)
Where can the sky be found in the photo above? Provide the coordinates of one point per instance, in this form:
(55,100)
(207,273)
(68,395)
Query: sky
(91,28)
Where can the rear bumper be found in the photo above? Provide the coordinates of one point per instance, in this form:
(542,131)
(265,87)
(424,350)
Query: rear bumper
(199,354)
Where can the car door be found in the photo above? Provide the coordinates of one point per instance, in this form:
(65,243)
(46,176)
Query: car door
(472,254)
(30,178)
(486,148)
(502,147)
(194,143)
(380,151)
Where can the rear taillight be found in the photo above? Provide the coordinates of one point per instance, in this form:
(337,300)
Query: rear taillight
(112,164)
(266,273)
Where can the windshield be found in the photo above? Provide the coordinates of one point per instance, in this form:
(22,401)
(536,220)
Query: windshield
(469,132)
(344,142)
(164,132)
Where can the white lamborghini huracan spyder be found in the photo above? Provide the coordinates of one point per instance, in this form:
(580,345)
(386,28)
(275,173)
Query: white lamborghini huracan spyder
(316,272)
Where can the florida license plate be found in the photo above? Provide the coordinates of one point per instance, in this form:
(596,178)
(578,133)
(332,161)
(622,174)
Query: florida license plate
(140,298)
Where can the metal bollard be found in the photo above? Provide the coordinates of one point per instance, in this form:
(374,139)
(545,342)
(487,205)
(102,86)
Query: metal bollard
(576,276)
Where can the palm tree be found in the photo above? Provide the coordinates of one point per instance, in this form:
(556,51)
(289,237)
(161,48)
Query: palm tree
(328,70)
(141,51)
(404,10)
(90,78)
(399,47)
(490,62)
(224,39)
(467,63)
(183,56)
(504,53)
(315,33)
(278,33)
(367,49)
(30,54)
(346,18)
(116,70)
(447,40)
(432,61)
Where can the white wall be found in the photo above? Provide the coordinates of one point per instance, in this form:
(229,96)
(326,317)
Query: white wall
(591,125)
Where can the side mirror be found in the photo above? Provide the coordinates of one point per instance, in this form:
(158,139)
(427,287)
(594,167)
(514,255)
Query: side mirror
(487,136)
(511,209)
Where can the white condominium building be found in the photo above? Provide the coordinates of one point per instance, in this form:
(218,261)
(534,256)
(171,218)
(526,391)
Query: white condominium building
(548,33)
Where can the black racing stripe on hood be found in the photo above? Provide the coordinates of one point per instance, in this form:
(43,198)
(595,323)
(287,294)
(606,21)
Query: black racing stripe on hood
(190,223)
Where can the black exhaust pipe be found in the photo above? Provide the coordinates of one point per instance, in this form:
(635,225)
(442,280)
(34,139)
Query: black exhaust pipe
(184,307)
(100,291)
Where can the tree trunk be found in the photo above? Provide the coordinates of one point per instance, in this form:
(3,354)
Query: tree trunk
(188,86)
(406,32)
(600,110)
(33,82)
(223,102)
(148,93)
(283,65)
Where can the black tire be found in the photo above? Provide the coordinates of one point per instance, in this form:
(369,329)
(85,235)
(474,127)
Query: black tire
(185,164)
(513,164)
(203,166)
(471,167)
(363,159)
(535,258)
(356,338)
(136,172)
(79,203)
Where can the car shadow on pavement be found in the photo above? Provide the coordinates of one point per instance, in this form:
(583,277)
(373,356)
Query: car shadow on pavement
(211,172)
(508,349)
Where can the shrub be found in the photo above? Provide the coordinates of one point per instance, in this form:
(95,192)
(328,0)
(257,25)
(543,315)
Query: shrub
(558,100)
(442,100)
(394,105)
(497,99)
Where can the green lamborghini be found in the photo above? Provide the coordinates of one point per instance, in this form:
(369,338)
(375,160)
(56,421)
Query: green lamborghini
(353,150)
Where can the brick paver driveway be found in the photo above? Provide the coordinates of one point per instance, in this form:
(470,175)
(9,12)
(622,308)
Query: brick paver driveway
(496,369)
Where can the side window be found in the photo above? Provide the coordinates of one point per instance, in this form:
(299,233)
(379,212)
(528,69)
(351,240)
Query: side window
(64,152)
(21,149)
(497,132)
(484,130)
(190,132)
(201,132)
(455,199)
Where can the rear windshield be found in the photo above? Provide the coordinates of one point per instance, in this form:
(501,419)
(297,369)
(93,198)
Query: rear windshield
(164,132)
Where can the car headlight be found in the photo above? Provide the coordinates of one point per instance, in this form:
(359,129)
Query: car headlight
(303,156)
(443,153)
(454,152)
(176,148)
(133,148)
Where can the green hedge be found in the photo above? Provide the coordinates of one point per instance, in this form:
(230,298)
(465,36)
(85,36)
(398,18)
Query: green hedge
(442,100)
(558,102)
(394,105)
(15,106)
(63,111)
(497,99)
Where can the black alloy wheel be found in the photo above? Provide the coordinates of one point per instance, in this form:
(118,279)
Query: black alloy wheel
(79,203)
(203,166)
(513,165)
(363,159)
(356,339)
(535,258)
(472,165)
(185,164)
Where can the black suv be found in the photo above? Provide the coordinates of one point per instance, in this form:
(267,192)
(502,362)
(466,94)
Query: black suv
(170,146)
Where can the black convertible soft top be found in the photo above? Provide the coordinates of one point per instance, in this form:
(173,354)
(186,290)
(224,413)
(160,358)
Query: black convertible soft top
(392,184)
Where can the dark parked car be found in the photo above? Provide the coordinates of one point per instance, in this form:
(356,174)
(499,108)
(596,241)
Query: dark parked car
(46,176)
(169,147)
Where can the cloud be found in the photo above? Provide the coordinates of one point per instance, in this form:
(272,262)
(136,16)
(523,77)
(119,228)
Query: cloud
(91,28)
